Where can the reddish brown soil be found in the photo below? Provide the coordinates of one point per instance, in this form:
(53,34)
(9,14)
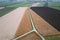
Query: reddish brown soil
(32,36)
(25,25)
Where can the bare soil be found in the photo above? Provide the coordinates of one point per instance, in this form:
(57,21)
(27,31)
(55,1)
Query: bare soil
(42,26)
(31,36)
(50,15)
(25,26)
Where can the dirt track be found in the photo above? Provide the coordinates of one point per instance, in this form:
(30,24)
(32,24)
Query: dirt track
(31,36)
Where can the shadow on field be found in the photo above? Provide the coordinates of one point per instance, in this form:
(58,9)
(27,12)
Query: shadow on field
(52,16)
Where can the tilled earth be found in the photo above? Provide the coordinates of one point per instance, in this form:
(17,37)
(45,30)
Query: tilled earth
(52,16)
(46,21)
(42,26)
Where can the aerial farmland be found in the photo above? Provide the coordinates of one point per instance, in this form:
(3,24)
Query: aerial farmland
(29,19)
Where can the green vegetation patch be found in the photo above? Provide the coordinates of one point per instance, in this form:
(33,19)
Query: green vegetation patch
(53,38)
(2,4)
(6,10)
(55,5)
(21,5)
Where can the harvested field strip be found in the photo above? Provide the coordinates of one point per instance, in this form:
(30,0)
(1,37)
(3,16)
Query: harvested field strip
(52,16)
(10,23)
(25,26)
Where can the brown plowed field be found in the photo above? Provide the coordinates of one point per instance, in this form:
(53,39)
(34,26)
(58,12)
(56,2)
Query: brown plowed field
(31,36)
(25,26)
(42,26)
(50,15)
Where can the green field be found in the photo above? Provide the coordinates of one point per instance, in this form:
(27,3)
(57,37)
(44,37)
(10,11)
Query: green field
(2,4)
(11,6)
(53,38)
(21,5)
(6,10)
(55,5)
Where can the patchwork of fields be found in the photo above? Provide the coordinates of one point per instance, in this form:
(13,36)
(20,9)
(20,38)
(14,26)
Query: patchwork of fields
(8,7)
(11,6)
